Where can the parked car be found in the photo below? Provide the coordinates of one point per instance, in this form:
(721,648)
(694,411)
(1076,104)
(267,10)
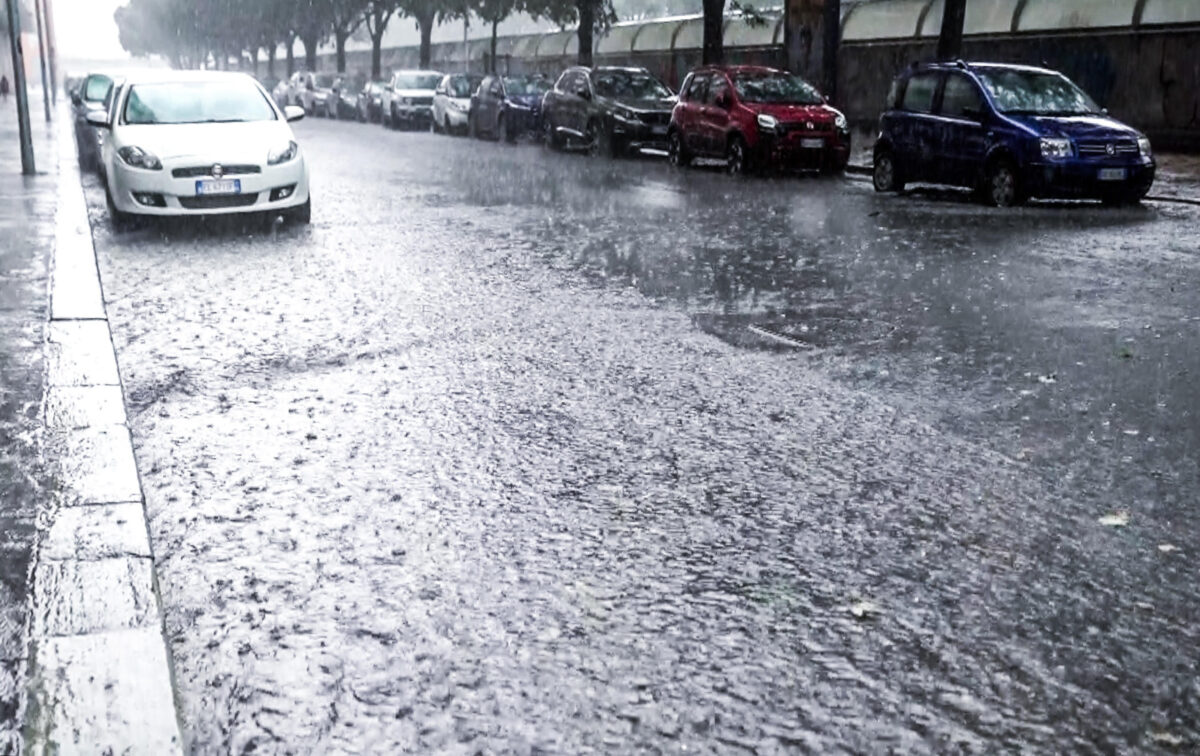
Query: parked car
(1009,132)
(343,98)
(754,118)
(308,90)
(452,102)
(320,94)
(369,103)
(408,99)
(200,143)
(281,92)
(91,95)
(607,110)
(506,107)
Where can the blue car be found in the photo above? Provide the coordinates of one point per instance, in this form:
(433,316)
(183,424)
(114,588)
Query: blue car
(1009,132)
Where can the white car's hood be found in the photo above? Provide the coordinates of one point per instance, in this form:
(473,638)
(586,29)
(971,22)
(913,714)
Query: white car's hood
(209,142)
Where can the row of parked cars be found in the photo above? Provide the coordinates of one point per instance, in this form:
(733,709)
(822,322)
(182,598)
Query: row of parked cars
(1009,132)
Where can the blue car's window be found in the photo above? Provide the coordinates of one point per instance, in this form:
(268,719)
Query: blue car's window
(960,97)
(1036,93)
(918,95)
(776,87)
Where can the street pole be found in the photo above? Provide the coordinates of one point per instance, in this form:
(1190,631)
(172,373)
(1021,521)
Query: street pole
(51,50)
(18,60)
(950,40)
(832,22)
(37,12)
(466,26)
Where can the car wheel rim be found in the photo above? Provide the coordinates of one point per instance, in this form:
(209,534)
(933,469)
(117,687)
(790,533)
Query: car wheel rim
(593,140)
(883,173)
(673,149)
(735,158)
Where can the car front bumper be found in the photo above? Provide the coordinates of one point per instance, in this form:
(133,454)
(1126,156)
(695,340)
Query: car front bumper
(457,118)
(1081,179)
(805,151)
(413,112)
(159,193)
(639,135)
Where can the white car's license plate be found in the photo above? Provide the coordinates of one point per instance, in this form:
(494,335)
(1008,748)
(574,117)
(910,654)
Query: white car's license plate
(1112,174)
(812,144)
(218,186)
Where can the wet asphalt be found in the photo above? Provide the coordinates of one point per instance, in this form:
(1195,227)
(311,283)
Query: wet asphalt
(513,451)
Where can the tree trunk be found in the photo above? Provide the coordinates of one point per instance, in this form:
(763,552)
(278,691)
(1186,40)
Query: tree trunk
(587,26)
(950,40)
(377,55)
(271,53)
(340,37)
(426,24)
(310,51)
(714,33)
(829,49)
(495,23)
(291,56)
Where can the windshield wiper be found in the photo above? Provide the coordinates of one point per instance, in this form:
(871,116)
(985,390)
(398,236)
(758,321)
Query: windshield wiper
(222,120)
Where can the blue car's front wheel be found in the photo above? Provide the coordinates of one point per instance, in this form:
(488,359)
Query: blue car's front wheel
(1002,186)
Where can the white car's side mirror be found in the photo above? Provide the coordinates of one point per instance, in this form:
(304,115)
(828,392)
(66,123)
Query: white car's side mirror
(293,113)
(97,118)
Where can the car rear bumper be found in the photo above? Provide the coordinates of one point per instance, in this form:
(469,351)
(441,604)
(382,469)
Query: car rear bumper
(159,193)
(1077,179)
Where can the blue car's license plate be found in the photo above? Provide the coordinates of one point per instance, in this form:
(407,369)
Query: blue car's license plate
(1112,174)
(218,186)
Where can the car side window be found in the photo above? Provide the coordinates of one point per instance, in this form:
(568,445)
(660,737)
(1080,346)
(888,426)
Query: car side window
(961,97)
(718,87)
(562,85)
(698,89)
(918,95)
(496,88)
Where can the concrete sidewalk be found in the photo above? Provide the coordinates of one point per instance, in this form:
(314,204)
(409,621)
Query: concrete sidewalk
(83,665)
(27,211)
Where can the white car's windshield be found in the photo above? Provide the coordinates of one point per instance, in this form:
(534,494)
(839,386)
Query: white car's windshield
(197,102)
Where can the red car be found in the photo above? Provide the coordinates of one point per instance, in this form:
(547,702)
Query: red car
(756,117)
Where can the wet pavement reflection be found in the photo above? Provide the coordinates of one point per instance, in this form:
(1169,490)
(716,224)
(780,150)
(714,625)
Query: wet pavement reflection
(517,451)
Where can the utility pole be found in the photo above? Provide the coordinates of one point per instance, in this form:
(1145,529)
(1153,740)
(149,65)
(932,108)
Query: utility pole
(37,12)
(51,49)
(18,60)
(832,23)
(950,41)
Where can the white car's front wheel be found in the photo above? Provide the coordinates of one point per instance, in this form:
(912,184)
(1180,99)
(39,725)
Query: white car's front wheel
(302,214)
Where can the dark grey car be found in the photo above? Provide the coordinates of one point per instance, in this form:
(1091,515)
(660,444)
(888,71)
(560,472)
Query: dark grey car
(607,110)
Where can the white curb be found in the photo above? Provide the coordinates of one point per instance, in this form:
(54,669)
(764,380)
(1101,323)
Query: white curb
(100,676)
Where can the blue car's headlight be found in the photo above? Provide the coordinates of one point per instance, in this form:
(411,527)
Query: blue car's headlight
(1144,146)
(1055,149)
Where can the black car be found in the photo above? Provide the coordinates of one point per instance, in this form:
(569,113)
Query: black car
(370,102)
(505,107)
(607,110)
(93,93)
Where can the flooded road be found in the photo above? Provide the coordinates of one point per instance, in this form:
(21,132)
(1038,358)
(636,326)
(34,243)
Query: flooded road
(524,452)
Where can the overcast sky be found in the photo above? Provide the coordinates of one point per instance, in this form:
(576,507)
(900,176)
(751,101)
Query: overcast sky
(85,29)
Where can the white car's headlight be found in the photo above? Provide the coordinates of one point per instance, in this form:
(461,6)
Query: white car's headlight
(406,101)
(1144,146)
(839,121)
(767,122)
(136,157)
(283,154)
(459,106)
(1055,149)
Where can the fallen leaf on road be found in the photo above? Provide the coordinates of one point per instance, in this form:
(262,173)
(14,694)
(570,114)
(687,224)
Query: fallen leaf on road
(1167,739)
(865,609)
(1167,548)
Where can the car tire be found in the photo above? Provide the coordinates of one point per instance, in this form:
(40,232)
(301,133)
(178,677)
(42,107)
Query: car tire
(301,214)
(737,157)
(677,152)
(446,127)
(503,133)
(885,175)
(596,142)
(1002,185)
(549,136)
(433,126)
(472,127)
(121,221)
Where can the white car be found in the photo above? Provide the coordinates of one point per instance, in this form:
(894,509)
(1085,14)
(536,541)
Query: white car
(452,102)
(408,99)
(185,143)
